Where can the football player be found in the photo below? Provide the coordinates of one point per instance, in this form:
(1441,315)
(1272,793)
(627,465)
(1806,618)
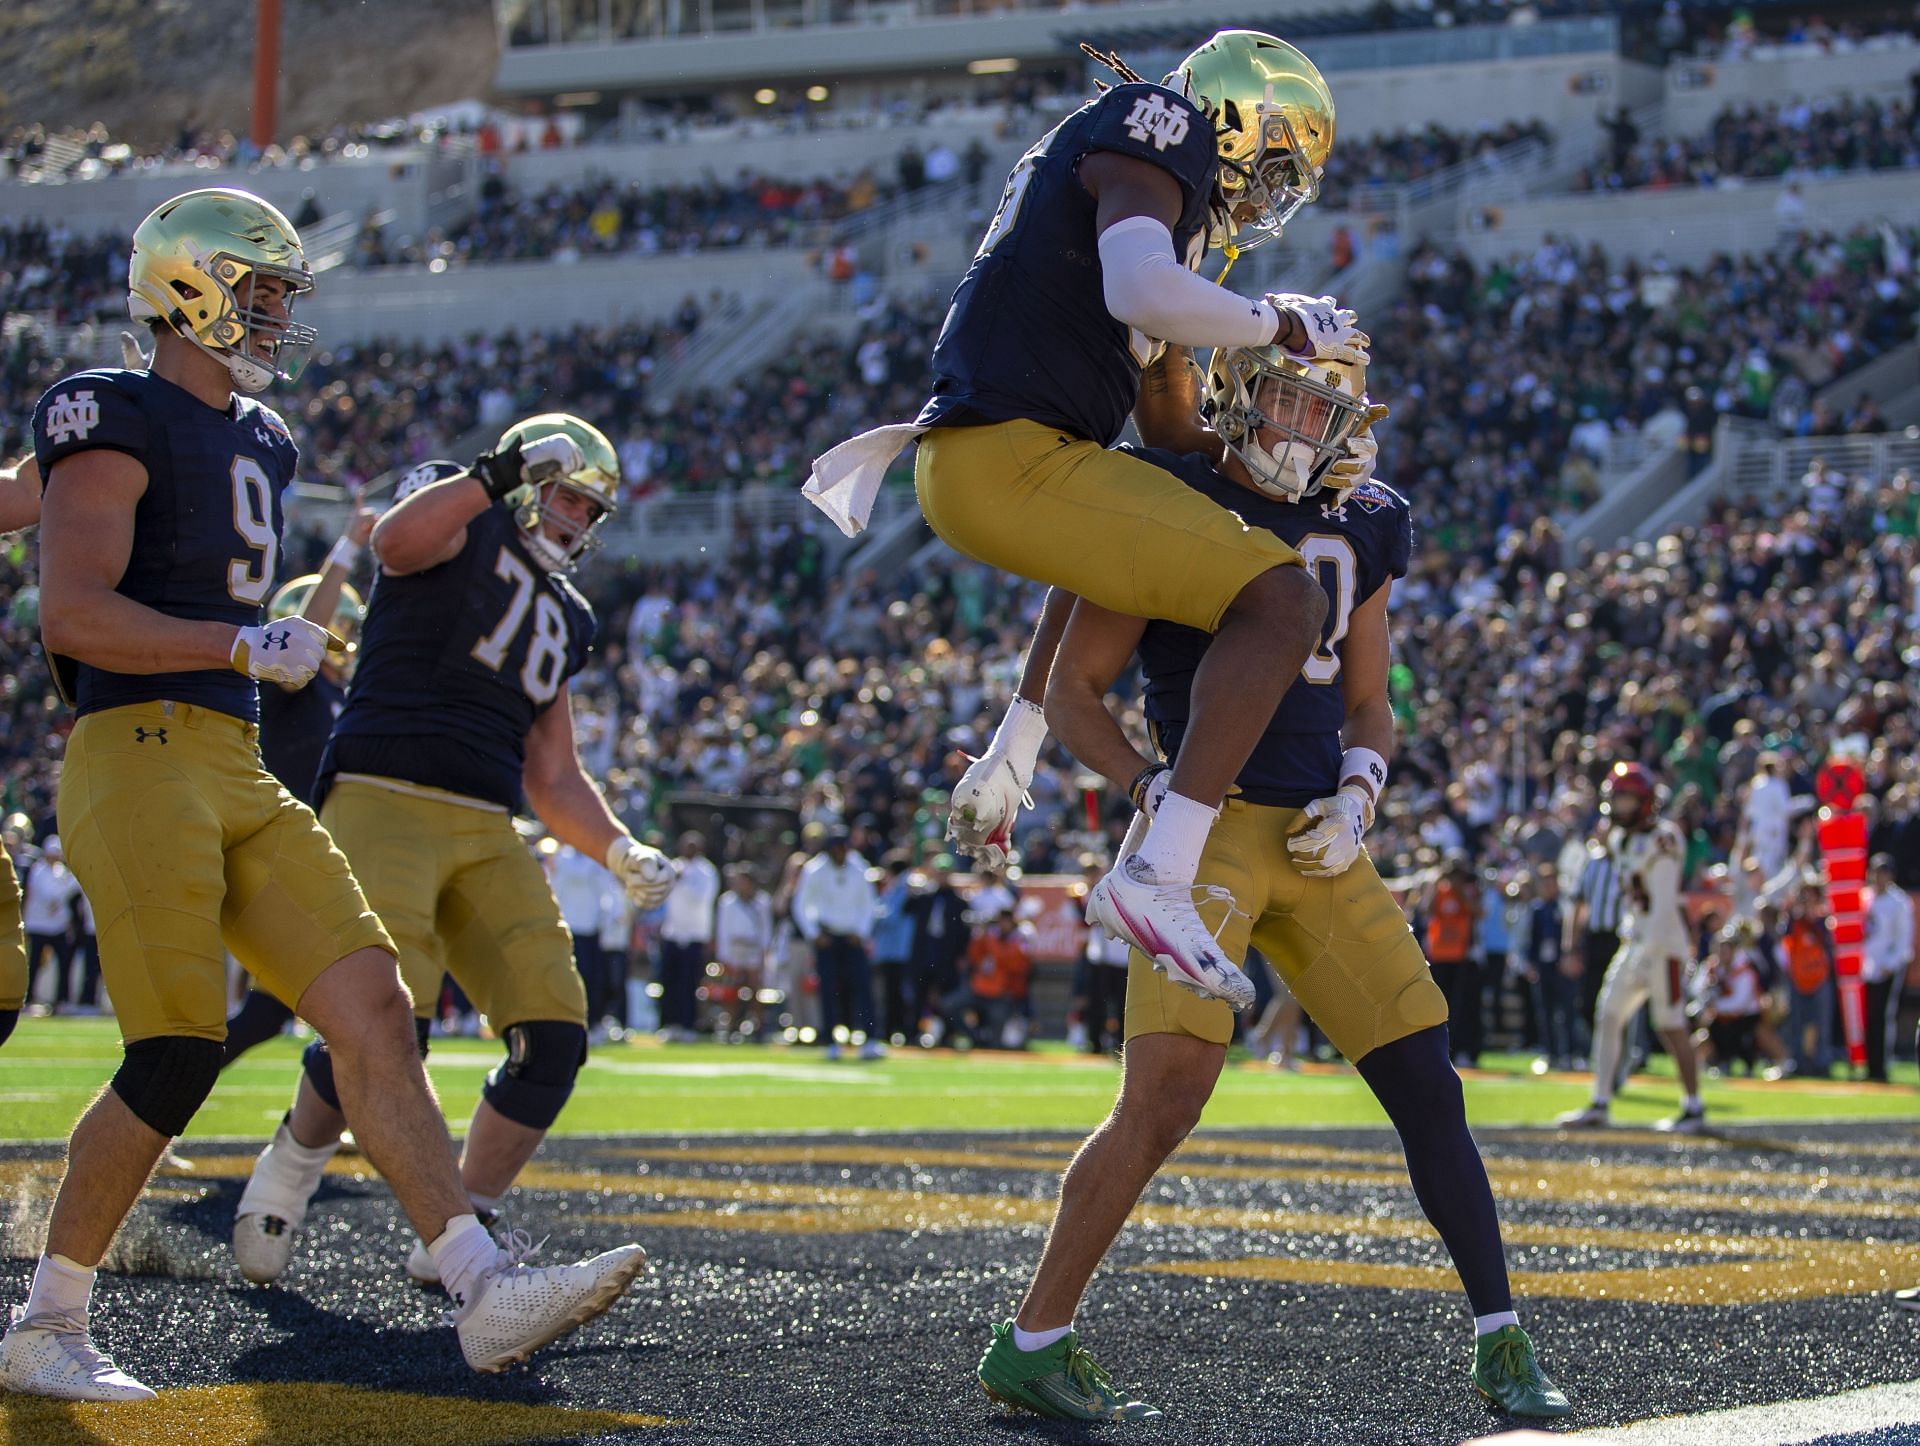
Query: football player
(159,537)
(460,709)
(295,722)
(19,507)
(1286,869)
(1656,949)
(1086,267)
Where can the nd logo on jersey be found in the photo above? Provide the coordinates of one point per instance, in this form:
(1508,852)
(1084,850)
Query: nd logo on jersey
(70,418)
(1152,119)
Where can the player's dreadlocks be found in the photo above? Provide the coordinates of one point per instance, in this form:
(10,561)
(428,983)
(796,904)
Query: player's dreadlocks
(1111,59)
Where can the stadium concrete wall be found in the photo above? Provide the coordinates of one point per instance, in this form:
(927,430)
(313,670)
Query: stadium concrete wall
(1697,91)
(1688,226)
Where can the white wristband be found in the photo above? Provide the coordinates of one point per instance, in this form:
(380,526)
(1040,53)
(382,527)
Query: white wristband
(1369,769)
(1019,737)
(345,554)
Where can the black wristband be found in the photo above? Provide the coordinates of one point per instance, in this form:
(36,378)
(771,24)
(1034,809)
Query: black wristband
(1137,790)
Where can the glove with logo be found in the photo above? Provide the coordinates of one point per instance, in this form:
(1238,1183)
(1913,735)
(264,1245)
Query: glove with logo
(512,473)
(1356,462)
(988,797)
(1327,840)
(288,652)
(645,873)
(1333,331)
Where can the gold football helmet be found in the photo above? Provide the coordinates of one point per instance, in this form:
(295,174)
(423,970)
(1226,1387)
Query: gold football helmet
(190,257)
(1288,420)
(597,480)
(1273,116)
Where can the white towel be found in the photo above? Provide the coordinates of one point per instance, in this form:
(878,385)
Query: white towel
(845,481)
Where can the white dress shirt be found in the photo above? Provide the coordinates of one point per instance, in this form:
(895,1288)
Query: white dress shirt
(689,915)
(743,932)
(834,898)
(576,881)
(49,898)
(1889,936)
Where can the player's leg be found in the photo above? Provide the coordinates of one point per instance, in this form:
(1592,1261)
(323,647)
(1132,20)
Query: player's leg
(290,891)
(13,950)
(1342,945)
(258,1019)
(1134,539)
(512,954)
(1176,1043)
(1625,988)
(402,857)
(153,873)
(1667,1004)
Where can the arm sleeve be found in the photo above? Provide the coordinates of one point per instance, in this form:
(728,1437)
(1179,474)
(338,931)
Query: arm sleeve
(85,413)
(1146,287)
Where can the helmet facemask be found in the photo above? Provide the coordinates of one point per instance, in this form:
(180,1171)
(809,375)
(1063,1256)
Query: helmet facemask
(576,539)
(1274,186)
(1287,421)
(231,337)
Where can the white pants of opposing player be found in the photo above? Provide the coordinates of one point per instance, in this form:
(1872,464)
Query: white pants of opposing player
(1651,975)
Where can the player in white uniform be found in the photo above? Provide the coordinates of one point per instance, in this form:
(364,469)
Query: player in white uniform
(1656,948)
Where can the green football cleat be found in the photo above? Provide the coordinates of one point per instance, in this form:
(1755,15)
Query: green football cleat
(1059,1380)
(1506,1373)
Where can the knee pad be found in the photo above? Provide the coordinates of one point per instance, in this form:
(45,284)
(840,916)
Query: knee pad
(8,1018)
(318,1061)
(165,1080)
(318,1064)
(532,1085)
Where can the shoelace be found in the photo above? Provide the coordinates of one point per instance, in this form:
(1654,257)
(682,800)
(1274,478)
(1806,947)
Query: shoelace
(1515,1359)
(518,1246)
(1194,895)
(72,1333)
(1085,1372)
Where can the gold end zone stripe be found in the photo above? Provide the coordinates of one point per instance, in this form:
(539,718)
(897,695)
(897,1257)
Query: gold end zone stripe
(314,1414)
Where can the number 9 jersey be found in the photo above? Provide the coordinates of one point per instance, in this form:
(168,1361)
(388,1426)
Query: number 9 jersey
(456,663)
(206,530)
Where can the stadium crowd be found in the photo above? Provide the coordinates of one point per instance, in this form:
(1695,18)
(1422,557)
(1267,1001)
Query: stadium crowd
(1748,143)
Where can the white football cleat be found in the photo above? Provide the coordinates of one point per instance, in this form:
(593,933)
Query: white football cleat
(273,1205)
(58,1359)
(1160,920)
(1687,1122)
(1592,1117)
(522,1308)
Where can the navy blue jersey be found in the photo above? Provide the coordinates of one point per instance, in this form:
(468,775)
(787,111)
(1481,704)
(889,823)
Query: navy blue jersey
(1029,333)
(206,532)
(1354,549)
(294,727)
(457,662)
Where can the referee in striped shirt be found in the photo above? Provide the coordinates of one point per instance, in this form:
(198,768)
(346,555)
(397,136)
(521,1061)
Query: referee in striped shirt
(1597,915)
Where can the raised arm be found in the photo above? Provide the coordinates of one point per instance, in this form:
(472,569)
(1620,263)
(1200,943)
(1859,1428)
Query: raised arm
(1094,652)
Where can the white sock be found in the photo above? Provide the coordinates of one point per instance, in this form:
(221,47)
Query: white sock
(1486,1325)
(1691,1102)
(61,1290)
(1038,1340)
(462,1254)
(285,1177)
(1177,838)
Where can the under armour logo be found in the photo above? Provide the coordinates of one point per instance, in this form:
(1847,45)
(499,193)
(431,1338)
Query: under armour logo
(141,735)
(1153,119)
(1334,511)
(70,418)
(272,639)
(1323,322)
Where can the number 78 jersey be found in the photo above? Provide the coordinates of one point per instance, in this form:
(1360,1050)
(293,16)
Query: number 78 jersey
(456,663)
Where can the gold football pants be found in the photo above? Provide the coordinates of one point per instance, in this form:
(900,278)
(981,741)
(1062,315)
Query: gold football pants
(461,893)
(188,848)
(1342,945)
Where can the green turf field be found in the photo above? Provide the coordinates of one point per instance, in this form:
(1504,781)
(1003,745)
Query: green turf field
(52,1066)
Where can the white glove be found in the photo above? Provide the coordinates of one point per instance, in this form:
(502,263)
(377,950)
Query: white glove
(511,474)
(646,874)
(288,652)
(1331,845)
(988,797)
(1333,331)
